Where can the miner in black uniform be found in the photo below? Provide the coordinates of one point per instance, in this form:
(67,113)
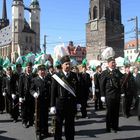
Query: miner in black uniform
(10,91)
(40,91)
(129,88)
(17,73)
(64,99)
(25,98)
(87,84)
(136,75)
(2,101)
(110,92)
(98,102)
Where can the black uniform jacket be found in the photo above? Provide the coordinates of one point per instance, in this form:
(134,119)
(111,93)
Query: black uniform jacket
(129,86)
(41,87)
(97,81)
(137,82)
(110,83)
(59,95)
(9,85)
(25,84)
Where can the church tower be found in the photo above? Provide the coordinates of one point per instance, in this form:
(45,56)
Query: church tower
(4,21)
(17,27)
(104,28)
(35,22)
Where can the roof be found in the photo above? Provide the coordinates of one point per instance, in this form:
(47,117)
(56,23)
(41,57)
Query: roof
(131,44)
(27,28)
(35,2)
(5,35)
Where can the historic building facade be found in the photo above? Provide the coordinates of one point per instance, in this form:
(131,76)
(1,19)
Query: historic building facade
(20,37)
(130,50)
(77,53)
(104,28)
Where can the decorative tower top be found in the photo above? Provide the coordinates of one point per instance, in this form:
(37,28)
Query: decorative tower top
(35,2)
(4,13)
(4,21)
(18,0)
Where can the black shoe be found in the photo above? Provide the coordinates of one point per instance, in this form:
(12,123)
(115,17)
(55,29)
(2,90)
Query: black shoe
(114,131)
(101,108)
(96,109)
(46,135)
(119,129)
(1,112)
(139,118)
(15,120)
(31,123)
(25,125)
(108,130)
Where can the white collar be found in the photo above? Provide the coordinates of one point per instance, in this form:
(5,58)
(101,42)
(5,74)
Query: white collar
(41,77)
(110,69)
(65,72)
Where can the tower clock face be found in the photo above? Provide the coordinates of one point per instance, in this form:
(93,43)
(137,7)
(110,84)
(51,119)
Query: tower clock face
(93,25)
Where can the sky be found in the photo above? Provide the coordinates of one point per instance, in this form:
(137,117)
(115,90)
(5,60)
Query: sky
(65,20)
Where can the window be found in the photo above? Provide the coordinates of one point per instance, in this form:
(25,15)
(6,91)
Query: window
(30,39)
(94,12)
(26,39)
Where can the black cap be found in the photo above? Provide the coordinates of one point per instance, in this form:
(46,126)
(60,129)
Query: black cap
(9,68)
(29,64)
(110,59)
(18,65)
(64,59)
(41,67)
(127,66)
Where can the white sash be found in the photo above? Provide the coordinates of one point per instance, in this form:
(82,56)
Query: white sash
(63,84)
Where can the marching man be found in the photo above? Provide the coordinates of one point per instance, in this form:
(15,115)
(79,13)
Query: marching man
(64,95)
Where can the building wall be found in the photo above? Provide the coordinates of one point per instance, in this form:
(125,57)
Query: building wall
(5,51)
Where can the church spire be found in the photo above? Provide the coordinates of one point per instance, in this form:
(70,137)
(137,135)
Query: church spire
(4,12)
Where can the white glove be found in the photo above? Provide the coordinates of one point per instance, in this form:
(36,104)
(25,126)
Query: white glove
(36,95)
(139,96)
(97,90)
(13,96)
(21,100)
(53,110)
(90,89)
(78,107)
(103,99)
(4,93)
(122,95)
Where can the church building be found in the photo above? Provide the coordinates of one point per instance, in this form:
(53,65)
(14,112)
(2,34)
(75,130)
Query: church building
(104,28)
(20,37)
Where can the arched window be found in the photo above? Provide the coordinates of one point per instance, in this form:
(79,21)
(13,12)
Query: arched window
(94,12)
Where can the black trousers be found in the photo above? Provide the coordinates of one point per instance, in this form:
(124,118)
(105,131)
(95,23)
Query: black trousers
(112,116)
(84,107)
(2,102)
(128,103)
(98,102)
(27,111)
(67,114)
(42,115)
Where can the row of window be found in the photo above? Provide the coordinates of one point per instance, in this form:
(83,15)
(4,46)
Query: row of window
(28,39)
(110,13)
